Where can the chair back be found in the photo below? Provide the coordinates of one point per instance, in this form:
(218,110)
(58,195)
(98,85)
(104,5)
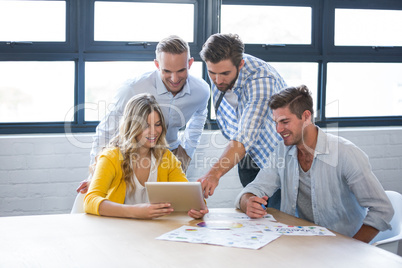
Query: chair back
(78,206)
(391,237)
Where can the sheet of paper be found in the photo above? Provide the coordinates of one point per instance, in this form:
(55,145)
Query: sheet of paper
(235,217)
(283,229)
(239,230)
(228,237)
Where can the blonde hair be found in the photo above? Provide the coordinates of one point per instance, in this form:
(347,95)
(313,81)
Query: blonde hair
(173,45)
(132,124)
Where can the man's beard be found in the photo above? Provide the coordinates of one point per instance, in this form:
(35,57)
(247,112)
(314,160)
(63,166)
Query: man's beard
(231,83)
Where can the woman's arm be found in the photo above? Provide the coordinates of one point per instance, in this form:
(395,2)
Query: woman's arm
(139,211)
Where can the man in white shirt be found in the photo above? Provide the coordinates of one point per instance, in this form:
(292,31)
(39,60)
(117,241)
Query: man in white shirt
(323,178)
(183,99)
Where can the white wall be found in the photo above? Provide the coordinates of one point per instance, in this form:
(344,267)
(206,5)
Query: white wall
(39,173)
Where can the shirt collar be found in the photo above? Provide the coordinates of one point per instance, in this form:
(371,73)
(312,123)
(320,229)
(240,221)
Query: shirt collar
(240,81)
(161,88)
(321,147)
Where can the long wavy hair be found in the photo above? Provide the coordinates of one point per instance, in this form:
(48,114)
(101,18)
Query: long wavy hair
(133,123)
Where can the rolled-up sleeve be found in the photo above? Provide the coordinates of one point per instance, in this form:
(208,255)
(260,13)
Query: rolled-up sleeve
(266,183)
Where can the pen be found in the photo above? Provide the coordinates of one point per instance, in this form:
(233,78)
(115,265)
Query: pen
(264,207)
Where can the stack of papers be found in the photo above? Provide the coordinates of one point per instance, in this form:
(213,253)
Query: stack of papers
(239,230)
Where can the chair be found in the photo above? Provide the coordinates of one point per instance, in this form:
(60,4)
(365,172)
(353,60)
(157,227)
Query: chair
(78,206)
(389,239)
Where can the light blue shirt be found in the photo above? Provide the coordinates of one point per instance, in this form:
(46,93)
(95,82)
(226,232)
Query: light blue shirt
(250,122)
(187,109)
(344,191)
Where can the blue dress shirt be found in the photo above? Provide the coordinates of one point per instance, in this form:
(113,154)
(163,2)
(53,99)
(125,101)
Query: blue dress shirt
(188,108)
(344,191)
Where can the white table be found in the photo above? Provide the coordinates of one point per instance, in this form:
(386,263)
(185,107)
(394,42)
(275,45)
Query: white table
(81,240)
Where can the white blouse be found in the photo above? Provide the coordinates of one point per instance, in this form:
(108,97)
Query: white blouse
(140,194)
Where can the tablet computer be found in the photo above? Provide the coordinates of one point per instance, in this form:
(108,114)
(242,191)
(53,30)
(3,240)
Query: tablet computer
(182,196)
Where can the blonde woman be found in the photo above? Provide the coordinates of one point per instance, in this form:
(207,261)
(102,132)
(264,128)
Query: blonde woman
(137,154)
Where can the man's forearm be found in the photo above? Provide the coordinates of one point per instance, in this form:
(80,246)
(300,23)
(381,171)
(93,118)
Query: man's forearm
(232,155)
(366,233)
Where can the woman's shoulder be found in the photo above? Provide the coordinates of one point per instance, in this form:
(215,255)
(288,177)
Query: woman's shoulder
(167,154)
(112,153)
(168,160)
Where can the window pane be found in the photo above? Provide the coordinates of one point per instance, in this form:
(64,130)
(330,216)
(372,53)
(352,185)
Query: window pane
(364,89)
(102,79)
(295,74)
(359,27)
(37,21)
(36,91)
(143,21)
(300,73)
(268,24)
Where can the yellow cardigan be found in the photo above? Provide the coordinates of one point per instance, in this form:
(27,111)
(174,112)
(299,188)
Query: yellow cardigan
(108,182)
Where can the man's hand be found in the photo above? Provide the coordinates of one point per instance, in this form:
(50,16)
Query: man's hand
(83,187)
(233,153)
(208,183)
(253,205)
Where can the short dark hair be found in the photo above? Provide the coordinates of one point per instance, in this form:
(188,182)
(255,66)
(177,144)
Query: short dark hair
(297,98)
(221,47)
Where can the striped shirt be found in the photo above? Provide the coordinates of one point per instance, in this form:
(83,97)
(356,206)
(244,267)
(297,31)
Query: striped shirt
(251,121)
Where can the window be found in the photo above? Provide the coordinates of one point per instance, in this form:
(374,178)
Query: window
(364,89)
(367,27)
(348,53)
(268,24)
(29,21)
(102,79)
(363,81)
(24,85)
(62,60)
(124,21)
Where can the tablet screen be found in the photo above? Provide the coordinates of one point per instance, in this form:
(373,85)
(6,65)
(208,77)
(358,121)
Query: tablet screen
(183,196)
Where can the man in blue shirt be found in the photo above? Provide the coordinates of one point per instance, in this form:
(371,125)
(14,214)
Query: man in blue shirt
(323,178)
(183,99)
(241,87)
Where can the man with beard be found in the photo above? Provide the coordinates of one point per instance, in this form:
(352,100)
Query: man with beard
(323,178)
(241,87)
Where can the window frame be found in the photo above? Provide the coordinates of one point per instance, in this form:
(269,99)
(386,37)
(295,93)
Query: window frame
(323,51)
(80,47)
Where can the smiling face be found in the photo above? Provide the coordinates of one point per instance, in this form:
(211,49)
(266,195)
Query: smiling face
(289,126)
(150,135)
(223,74)
(173,69)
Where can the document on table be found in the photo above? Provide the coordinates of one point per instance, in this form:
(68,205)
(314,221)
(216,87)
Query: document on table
(220,237)
(238,230)
(280,228)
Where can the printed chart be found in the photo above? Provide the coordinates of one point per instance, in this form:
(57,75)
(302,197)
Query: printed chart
(238,230)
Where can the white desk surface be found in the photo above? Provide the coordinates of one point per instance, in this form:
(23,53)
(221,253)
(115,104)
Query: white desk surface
(81,240)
